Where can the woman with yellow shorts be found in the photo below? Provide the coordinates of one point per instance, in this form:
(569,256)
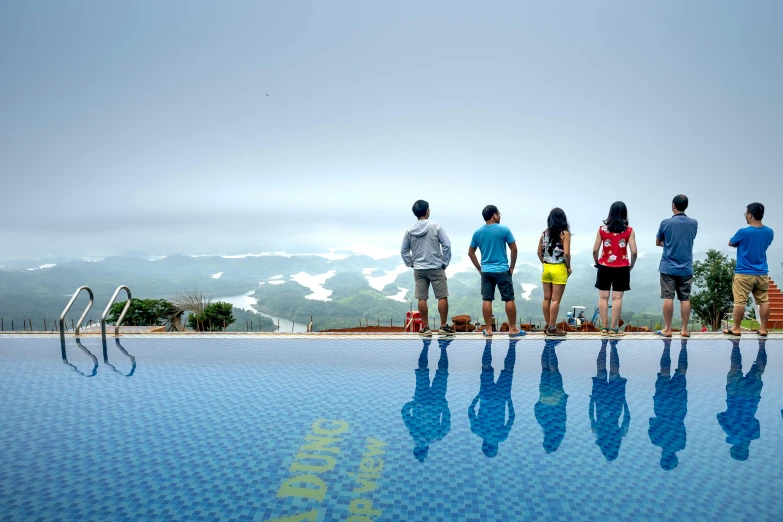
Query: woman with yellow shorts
(554,251)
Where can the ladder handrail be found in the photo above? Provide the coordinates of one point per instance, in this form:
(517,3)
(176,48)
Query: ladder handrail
(68,307)
(122,315)
(132,359)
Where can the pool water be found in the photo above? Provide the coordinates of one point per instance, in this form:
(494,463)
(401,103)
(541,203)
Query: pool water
(366,430)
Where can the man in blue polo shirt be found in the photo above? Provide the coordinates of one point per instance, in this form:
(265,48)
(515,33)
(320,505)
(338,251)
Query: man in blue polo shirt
(751,276)
(491,239)
(676,236)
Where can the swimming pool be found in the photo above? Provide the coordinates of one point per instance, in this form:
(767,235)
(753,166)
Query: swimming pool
(357,429)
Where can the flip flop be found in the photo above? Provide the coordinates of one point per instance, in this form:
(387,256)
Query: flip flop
(517,335)
(761,334)
(660,332)
(727,331)
(604,332)
(484,333)
(686,334)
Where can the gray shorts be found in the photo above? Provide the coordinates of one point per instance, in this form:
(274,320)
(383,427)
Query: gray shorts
(436,276)
(681,285)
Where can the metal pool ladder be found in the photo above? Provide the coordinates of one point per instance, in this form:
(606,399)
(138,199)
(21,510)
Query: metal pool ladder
(68,307)
(122,315)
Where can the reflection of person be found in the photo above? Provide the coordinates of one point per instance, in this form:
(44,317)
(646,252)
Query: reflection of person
(743,394)
(670,403)
(550,409)
(490,422)
(607,403)
(427,416)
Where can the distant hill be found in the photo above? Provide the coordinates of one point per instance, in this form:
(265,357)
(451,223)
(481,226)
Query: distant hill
(358,290)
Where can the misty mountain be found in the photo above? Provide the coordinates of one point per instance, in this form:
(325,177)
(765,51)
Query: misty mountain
(335,292)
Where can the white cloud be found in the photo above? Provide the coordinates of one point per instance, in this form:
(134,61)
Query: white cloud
(527,289)
(275,277)
(373,251)
(399,296)
(261,282)
(378,282)
(368,271)
(463,265)
(276,282)
(314,283)
(43,266)
(217,276)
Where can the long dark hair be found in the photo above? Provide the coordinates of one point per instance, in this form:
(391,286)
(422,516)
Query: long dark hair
(617,220)
(556,224)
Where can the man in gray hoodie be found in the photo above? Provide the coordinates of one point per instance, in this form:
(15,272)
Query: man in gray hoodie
(427,249)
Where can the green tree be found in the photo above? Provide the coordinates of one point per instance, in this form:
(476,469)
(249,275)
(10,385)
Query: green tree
(215,318)
(714,298)
(143,312)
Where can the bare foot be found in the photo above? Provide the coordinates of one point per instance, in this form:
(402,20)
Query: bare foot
(666,332)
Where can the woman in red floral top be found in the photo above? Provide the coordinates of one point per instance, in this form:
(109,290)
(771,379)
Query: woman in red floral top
(616,242)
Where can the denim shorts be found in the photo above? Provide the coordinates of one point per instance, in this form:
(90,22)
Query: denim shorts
(489,280)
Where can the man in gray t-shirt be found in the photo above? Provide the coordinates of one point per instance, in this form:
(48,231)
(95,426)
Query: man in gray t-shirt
(676,236)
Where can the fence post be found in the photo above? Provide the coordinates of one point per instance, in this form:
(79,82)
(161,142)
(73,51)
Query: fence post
(12,325)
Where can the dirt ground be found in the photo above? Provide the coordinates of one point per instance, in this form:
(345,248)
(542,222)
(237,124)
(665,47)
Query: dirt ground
(376,329)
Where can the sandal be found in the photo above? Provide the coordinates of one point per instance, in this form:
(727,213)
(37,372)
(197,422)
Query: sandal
(604,332)
(686,334)
(660,332)
(616,332)
(727,331)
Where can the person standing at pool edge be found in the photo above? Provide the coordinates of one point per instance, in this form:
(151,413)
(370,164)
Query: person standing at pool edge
(614,239)
(554,252)
(752,272)
(491,239)
(676,236)
(427,249)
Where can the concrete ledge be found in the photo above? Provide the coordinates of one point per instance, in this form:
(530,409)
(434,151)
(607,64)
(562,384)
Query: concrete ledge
(537,336)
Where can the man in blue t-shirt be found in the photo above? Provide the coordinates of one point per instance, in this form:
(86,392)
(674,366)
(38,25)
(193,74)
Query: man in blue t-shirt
(752,272)
(491,239)
(676,236)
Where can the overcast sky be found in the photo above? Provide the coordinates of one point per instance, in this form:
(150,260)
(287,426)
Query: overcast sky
(233,127)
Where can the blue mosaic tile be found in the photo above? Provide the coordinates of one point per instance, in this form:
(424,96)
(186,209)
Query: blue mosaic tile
(263,429)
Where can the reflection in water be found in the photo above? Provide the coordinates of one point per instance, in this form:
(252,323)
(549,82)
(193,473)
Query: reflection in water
(743,394)
(106,358)
(670,403)
(427,416)
(490,422)
(607,403)
(550,409)
(85,350)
